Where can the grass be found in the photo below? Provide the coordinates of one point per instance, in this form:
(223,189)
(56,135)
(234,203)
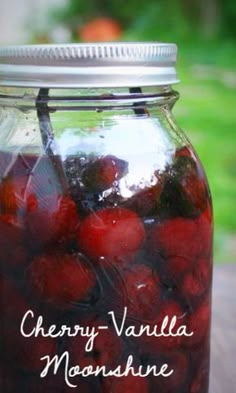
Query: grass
(206,112)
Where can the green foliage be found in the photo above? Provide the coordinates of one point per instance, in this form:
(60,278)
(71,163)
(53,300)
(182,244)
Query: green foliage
(78,10)
(186,20)
(228,9)
(158,23)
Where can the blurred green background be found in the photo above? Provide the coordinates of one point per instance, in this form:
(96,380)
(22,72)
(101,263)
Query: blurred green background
(205,31)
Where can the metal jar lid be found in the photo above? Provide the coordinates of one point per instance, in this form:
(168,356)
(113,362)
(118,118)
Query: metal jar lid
(88,65)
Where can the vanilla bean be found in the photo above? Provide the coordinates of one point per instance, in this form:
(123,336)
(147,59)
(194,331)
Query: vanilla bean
(45,126)
(47,134)
(139,107)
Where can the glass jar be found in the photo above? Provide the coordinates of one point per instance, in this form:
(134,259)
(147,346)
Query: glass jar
(106,224)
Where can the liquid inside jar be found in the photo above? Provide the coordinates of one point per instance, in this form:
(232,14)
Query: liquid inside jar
(80,249)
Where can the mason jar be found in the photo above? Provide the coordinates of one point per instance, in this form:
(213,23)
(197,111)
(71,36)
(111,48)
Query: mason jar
(105,224)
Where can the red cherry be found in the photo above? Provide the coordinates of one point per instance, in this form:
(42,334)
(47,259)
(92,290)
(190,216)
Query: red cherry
(208,213)
(126,384)
(171,308)
(196,282)
(186,192)
(101,174)
(179,237)
(28,179)
(154,344)
(13,304)
(140,292)
(183,152)
(198,196)
(78,354)
(33,192)
(204,230)
(201,379)
(13,252)
(198,323)
(195,190)
(26,352)
(9,201)
(111,232)
(190,181)
(178,362)
(56,221)
(174,238)
(145,200)
(17,195)
(107,346)
(176,266)
(61,279)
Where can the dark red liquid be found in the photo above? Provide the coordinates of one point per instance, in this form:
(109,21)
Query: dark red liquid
(73,248)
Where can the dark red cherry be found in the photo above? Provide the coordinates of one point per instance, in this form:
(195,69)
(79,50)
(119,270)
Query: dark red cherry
(111,232)
(61,279)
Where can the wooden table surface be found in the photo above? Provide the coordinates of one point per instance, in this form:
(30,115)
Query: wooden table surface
(223,343)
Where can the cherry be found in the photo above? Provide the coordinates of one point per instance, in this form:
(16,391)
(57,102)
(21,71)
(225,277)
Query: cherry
(174,238)
(183,151)
(190,177)
(178,362)
(194,190)
(198,323)
(107,346)
(56,221)
(26,352)
(144,201)
(10,200)
(13,251)
(185,192)
(111,232)
(180,237)
(13,303)
(101,173)
(171,309)
(140,292)
(201,379)
(36,195)
(196,282)
(204,229)
(176,266)
(19,194)
(154,344)
(61,279)
(126,384)
(29,180)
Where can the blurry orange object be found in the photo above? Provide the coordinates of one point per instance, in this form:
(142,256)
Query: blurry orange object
(100,29)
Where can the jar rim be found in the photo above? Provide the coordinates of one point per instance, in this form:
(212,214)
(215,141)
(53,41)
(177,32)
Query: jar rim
(115,64)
